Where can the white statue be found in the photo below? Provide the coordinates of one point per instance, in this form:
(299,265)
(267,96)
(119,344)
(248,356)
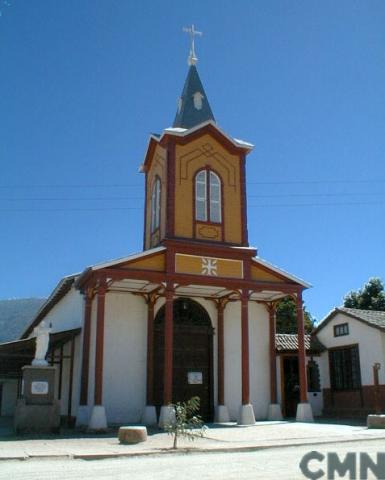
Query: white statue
(42,341)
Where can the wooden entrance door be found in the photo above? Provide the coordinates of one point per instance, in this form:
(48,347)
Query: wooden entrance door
(291,390)
(192,356)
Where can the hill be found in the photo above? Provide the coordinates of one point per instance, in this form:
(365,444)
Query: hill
(15,315)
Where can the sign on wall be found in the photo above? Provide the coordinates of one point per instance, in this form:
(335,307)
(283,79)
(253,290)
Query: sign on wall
(195,378)
(39,388)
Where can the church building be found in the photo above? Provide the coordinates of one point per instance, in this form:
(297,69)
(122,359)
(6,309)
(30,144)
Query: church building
(193,314)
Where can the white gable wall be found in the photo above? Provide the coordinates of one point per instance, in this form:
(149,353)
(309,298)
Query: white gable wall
(370,342)
(67,313)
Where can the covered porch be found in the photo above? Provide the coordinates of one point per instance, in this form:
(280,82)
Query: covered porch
(160,279)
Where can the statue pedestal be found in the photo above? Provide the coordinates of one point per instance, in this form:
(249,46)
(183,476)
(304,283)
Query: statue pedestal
(37,410)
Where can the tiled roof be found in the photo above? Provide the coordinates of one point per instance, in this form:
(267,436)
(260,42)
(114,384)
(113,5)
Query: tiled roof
(289,342)
(374,318)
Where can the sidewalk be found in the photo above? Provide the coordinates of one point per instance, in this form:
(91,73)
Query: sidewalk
(218,438)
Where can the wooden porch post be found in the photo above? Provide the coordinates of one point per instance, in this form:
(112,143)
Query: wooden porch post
(168,347)
(60,371)
(301,350)
(273,357)
(245,347)
(71,380)
(86,348)
(221,354)
(101,295)
(150,350)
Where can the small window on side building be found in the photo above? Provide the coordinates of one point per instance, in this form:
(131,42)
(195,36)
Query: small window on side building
(341,329)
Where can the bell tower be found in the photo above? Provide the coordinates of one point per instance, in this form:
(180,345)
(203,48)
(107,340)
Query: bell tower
(195,175)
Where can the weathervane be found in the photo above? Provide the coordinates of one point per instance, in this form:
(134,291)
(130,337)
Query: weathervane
(192,58)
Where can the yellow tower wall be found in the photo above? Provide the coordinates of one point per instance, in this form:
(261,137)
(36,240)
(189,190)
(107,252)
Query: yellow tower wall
(158,169)
(207,152)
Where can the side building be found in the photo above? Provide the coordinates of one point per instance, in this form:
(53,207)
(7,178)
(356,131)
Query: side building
(353,363)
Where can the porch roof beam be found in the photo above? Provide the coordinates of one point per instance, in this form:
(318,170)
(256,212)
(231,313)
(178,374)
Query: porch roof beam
(188,279)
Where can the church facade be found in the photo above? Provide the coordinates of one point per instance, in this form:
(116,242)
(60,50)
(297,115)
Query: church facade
(194,312)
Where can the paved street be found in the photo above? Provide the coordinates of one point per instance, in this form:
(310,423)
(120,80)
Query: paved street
(264,464)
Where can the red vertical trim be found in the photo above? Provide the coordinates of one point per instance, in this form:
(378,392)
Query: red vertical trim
(145,213)
(301,350)
(273,361)
(221,354)
(168,348)
(60,372)
(245,347)
(245,240)
(247,269)
(377,403)
(150,352)
(70,382)
(170,260)
(170,216)
(101,296)
(86,349)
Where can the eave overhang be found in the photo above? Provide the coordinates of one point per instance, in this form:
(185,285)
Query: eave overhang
(181,135)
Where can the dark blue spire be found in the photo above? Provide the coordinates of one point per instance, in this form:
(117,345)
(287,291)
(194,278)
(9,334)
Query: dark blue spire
(193,106)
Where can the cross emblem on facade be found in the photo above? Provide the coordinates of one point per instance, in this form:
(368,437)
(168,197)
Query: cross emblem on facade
(209,266)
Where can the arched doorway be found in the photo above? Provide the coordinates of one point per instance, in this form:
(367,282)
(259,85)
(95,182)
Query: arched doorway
(192,357)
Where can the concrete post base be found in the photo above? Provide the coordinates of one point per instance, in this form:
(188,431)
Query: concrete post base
(376,421)
(167,416)
(98,419)
(304,413)
(274,412)
(222,414)
(149,416)
(82,416)
(246,415)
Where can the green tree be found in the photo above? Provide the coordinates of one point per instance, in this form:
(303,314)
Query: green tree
(370,297)
(187,423)
(287,317)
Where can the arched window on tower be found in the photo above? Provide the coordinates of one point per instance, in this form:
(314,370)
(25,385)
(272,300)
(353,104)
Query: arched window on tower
(208,197)
(155,205)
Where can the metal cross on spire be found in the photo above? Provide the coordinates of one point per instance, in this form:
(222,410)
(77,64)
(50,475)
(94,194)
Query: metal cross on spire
(192,58)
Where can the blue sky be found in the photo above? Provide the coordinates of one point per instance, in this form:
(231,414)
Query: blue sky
(84,82)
